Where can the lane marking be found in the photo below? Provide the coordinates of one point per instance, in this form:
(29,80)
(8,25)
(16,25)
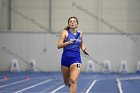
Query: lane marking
(92,84)
(12,83)
(33,86)
(129,78)
(50,87)
(119,86)
(58,88)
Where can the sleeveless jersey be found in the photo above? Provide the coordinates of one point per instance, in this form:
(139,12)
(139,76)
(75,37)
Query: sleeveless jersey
(73,49)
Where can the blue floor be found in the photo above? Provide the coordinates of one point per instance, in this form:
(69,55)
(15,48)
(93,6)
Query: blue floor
(46,82)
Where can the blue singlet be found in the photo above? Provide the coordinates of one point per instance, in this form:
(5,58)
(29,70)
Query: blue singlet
(71,53)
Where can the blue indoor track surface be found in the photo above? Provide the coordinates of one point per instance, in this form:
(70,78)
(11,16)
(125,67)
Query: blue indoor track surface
(52,82)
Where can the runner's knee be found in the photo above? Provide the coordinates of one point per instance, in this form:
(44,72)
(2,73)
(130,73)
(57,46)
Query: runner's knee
(73,81)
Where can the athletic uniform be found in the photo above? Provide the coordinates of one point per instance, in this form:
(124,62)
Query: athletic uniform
(71,52)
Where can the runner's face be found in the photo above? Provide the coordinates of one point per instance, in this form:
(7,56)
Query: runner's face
(73,23)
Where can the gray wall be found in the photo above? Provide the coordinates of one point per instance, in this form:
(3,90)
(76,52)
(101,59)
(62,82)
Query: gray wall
(0,6)
(4,16)
(33,15)
(101,47)
(111,31)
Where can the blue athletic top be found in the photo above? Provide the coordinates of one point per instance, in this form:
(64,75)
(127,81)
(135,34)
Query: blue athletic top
(72,50)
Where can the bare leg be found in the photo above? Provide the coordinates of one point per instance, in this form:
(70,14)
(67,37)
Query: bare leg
(74,73)
(66,74)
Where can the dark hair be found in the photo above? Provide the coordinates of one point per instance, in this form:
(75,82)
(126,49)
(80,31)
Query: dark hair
(67,27)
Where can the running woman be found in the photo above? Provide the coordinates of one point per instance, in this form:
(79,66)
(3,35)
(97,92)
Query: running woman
(71,43)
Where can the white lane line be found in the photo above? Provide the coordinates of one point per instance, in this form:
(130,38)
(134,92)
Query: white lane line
(12,83)
(129,78)
(92,84)
(33,86)
(50,87)
(119,86)
(57,89)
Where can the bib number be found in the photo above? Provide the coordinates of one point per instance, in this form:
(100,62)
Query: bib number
(78,65)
